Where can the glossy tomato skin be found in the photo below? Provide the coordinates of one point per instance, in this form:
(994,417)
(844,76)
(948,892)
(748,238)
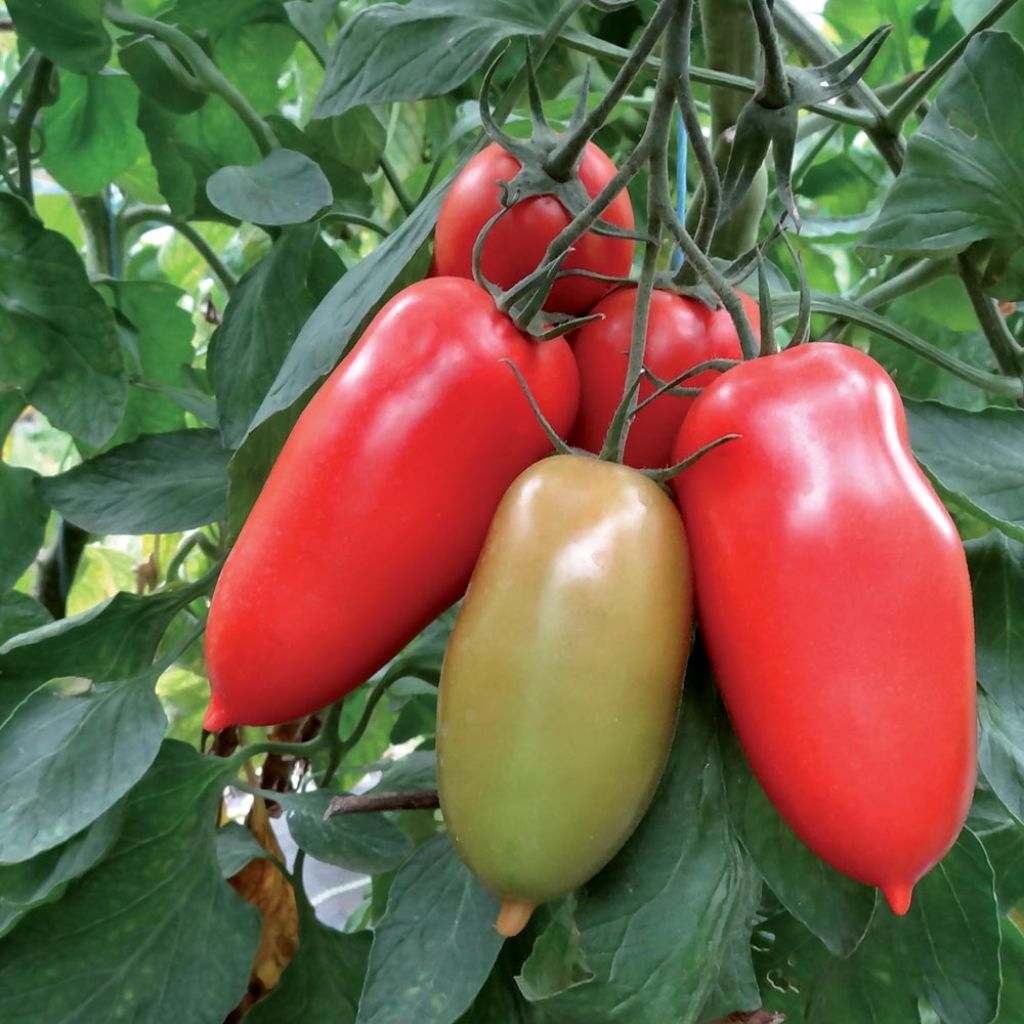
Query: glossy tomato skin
(517,243)
(681,333)
(562,679)
(376,509)
(834,599)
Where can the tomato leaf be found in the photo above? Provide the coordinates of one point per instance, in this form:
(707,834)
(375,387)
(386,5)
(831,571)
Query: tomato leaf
(1001,753)
(44,878)
(333,324)
(436,944)
(962,178)
(284,188)
(323,980)
(22,523)
(91,135)
(262,320)
(115,728)
(128,932)
(69,32)
(237,847)
(19,613)
(997,582)
(836,909)
(655,925)
(974,458)
(367,843)
(426,47)
(60,347)
(156,336)
(159,483)
(114,640)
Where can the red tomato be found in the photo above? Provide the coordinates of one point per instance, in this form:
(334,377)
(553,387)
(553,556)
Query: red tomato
(681,332)
(377,507)
(517,243)
(833,596)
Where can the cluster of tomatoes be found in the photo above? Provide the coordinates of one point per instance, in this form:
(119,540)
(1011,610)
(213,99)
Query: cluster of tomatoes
(831,585)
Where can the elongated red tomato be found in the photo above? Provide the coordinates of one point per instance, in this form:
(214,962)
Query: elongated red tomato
(681,332)
(377,506)
(517,243)
(833,596)
(562,679)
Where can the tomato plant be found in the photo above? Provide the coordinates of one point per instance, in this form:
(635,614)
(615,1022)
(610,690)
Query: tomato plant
(425,409)
(205,207)
(517,242)
(682,332)
(858,647)
(551,739)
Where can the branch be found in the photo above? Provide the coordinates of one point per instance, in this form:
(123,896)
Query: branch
(157,214)
(366,803)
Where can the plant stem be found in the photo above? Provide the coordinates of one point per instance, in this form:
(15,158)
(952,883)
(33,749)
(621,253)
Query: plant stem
(1004,345)
(21,131)
(564,158)
(145,214)
(403,197)
(367,803)
(918,89)
(207,75)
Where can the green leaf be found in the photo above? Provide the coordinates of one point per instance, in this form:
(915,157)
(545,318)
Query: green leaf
(1011,1002)
(658,922)
(69,32)
(836,909)
(946,950)
(970,12)
(327,333)
(356,138)
(1005,849)
(284,188)
(19,613)
(236,847)
(261,322)
(556,962)
(949,940)
(67,759)
(153,933)
(111,641)
(159,483)
(253,57)
(156,334)
(436,944)
(224,16)
(366,843)
(417,770)
(962,180)
(424,48)
(1001,753)
(45,877)
(997,581)
(22,523)
(152,65)
(975,458)
(59,343)
(91,136)
(310,18)
(323,979)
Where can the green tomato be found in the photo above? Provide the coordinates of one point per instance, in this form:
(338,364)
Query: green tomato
(561,683)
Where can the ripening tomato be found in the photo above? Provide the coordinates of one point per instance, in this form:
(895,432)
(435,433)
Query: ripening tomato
(834,600)
(375,511)
(517,243)
(681,332)
(561,682)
